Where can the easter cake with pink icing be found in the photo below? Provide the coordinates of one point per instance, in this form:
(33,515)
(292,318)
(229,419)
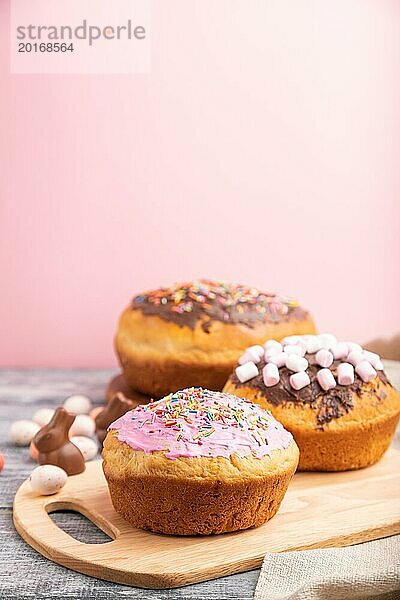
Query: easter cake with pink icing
(333,396)
(198,462)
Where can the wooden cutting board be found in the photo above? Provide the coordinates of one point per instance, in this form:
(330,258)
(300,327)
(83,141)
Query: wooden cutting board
(319,510)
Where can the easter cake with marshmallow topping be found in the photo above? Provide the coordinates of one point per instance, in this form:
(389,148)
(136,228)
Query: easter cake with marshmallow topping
(191,334)
(333,396)
(198,462)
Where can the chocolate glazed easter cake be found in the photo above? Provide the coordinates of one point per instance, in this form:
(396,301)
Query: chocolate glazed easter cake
(198,462)
(192,334)
(334,397)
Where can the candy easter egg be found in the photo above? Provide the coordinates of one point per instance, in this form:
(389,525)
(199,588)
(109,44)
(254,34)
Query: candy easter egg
(78,404)
(43,416)
(47,479)
(21,432)
(83,425)
(86,445)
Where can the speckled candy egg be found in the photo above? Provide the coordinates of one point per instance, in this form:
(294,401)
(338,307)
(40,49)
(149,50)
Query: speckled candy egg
(86,445)
(43,416)
(22,432)
(47,479)
(83,425)
(78,404)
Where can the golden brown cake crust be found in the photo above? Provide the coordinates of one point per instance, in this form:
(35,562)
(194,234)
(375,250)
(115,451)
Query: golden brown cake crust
(195,495)
(162,351)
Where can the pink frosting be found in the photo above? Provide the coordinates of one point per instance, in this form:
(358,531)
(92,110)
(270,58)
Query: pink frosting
(197,422)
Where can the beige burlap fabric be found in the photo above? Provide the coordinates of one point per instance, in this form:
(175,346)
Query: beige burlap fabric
(362,572)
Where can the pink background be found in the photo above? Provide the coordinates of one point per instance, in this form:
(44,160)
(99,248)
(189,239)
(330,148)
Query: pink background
(263,147)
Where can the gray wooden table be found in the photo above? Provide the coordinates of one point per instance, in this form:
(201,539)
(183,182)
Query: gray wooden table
(23,572)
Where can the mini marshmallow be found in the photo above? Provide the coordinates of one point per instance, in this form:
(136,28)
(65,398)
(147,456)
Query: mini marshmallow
(22,432)
(324,358)
(374,359)
(299,380)
(345,374)
(296,363)
(355,357)
(365,370)
(47,479)
(353,347)
(312,344)
(250,355)
(86,445)
(243,359)
(43,416)
(295,349)
(327,340)
(270,353)
(278,359)
(290,339)
(246,372)
(78,404)
(340,350)
(273,345)
(302,344)
(83,425)
(270,374)
(326,379)
(257,348)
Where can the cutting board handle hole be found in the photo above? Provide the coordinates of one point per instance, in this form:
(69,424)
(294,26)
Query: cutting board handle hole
(79,526)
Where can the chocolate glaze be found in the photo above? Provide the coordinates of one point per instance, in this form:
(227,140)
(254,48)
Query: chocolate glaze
(327,405)
(116,408)
(208,301)
(54,447)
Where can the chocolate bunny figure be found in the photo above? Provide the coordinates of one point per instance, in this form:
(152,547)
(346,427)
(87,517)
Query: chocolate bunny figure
(118,406)
(54,446)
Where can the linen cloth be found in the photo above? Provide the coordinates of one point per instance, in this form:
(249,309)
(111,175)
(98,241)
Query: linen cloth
(366,571)
(362,572)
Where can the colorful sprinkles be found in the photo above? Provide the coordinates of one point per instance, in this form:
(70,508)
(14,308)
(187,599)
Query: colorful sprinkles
(199,422)
(217,300)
